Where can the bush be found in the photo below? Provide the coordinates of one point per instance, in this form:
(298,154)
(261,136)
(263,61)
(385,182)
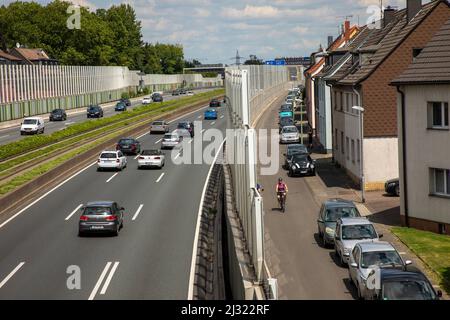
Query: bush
(125,95)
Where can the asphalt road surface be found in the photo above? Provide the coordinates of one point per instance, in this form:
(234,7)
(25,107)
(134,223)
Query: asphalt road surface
(150,259)
(305,270)
(13,133)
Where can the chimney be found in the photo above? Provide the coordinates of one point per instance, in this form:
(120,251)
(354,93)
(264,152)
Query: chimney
(413,7)
(388,16)
(347,30)
(330,40)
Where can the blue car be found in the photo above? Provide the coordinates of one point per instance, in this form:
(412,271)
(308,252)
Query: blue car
(210,114)
(121,106)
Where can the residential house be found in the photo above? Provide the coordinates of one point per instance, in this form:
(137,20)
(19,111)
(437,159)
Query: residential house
(32,56)
(6,58)
(365,80)
(424,135)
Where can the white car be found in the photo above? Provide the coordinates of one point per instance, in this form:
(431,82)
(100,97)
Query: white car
(111,160)
(151,158)
(146,100)
(32,125)
(171,140)
(289,134)
(368,255)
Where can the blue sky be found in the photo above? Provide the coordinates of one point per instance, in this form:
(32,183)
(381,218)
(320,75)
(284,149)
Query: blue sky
(212,30)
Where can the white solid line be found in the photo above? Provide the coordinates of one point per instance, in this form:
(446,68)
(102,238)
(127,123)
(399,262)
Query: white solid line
(137,212)
(158,141)
(160,177)
(43,196)
(108,280)
(73,212)
(213,123)
(4,136)
(115,174)
(99,282)
(142,135)
(197,228)
(9,276)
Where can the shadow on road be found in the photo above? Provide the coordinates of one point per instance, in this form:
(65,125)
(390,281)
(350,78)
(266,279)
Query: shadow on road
(351,288)
(336,260)
(333,176)
(390,217)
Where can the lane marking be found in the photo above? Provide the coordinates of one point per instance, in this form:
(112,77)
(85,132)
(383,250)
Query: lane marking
(190,141)
(99,282)
(73,212)
(177,156)
(9,276)
(203,130)
(142,135)
(197,228)
(137,157)
(108,280)
(221,117)
(115,174)
(213,123)
(199,117)
(137,212)
(160,177)
(158,141)
(4,136)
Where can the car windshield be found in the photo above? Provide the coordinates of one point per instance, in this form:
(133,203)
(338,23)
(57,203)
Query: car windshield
(290,130)
(296,149)
(333,214)
(29,121)
(380,258)
(286,121)
(126,141)
(97,211)
(300,158)
(183,126)
(57,111)
(407,290)
(93,108)
(108,155)
(170,136)
(158,123)
(150,153)
(358,232)
(212,110)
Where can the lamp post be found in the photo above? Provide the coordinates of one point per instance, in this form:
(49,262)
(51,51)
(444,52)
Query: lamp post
(361,152)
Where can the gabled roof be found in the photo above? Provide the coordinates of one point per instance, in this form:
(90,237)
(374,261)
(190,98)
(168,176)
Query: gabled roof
(31,54)
(7,56)
(397,31)
(432,65)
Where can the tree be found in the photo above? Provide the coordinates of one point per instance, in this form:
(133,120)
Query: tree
(253,61)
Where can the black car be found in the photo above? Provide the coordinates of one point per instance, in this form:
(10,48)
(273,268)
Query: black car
(188,126)
(292,150)
(126,101)
(101,216)
(301,164)
(58,115)
(94,112)
(214,103)
(120,106)
(392,187)
(129,146)
(285,122)
(176,92)
(156,97)
(403,284)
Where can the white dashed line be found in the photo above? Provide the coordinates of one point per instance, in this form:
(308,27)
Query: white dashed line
(160,177)
(199,117)
(213,123)
(158,141)
(73,212)
(221,117)
(9,276)
(137,212)
(115,174)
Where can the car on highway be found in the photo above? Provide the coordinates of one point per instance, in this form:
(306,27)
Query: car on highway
(159,126)
(111,160)
(94,112)
(146,100)
(289,134)
(186,128)
(151,158)
(291,150)
(349,232)
(176,92)
(126,101)
(214,103)
(156,97)
(129,146)
(101,216)
(285,122)
(392,187)
(396,284)
(190,93)
(32,125)
(171,140)
(330,211)
(58,115)
(301,165)
(120,106)
(367,255)
(211,114)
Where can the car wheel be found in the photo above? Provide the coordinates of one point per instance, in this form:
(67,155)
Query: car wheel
(341,260)
(313,173)
(289,173)
(358,290)
(324,242)
(397,191)
(80,234)
(116,232)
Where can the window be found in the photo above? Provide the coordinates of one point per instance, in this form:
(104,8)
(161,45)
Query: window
(440,182)
(347,146)
(336,139)
(438,115)
(353,151)
(342,142)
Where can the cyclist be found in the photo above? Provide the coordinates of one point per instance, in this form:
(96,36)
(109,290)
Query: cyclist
(282,190)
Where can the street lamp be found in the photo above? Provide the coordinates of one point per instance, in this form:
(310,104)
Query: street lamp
(361,152)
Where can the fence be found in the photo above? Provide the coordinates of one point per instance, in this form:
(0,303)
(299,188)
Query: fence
(247,90)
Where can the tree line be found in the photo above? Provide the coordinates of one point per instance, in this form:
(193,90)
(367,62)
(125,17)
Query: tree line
(107,37)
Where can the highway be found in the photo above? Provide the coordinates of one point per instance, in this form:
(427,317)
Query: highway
(150,259)
(12,134)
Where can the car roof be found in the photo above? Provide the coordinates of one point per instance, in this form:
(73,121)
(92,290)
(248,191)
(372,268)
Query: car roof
(297,145)
(110,151)
(372,246)
(100,203)
(338,203)
(354,221)
(392,274)
(290,127)
(33,118)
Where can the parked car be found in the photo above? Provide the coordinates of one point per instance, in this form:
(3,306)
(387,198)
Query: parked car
(32,125)
(126,101)
(176,92)
(291,150)
(159,126)
(157,97)
(120,106)
(211,114)
(301,164)
(286,108)
(214,103)
(329,213)
(58,115)
(129,146)
(101,216)
(367,255)
(186,128)
(285,122)
(171,140)
(146,100)
(94,112)
(111,160)
(349,232)
(392,187)
(151,158)
(397,284)
(289,134)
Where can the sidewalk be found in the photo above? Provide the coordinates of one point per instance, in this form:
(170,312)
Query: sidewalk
(383,210)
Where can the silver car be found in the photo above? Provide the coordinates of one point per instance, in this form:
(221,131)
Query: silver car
(349,232)
(289,134)
(101,216)
(367,255)
(171,140)
(159,126)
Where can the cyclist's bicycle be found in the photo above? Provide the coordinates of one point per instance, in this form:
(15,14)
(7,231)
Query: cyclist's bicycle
(282,201)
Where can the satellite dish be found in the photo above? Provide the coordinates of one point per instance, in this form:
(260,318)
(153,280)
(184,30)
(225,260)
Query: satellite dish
(17,45)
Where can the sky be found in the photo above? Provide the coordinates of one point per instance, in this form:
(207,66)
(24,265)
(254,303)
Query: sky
(212,30)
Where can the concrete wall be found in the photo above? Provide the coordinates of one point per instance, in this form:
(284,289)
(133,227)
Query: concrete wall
(380,161)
